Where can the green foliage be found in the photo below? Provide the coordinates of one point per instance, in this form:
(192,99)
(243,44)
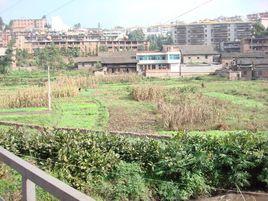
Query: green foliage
(136,35)
(128,182)
(49,56)
(157,42)
(116,168)
(259,29)
(2,24)
(5,61)
(22,57)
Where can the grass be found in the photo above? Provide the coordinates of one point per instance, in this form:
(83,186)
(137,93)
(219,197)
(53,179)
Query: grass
(10,186)
(77,112)
(251,103)
(111,106)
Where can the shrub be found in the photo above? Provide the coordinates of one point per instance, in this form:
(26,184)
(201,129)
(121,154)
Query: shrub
(128,182)
(115,167)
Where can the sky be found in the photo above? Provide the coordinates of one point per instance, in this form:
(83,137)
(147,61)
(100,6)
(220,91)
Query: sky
(127,13)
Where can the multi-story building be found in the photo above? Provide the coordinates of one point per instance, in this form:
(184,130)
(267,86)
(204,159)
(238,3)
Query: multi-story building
(118,33)
(5,38)
(262,17)
(158,30)
(257,44)
(23,25)
(124,45)
(232,46)
(158,63)
(211,33)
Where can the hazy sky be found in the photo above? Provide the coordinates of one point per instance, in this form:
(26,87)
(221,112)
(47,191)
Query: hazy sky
(126,12)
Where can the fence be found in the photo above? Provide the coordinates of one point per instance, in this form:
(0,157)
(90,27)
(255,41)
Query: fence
(31,176)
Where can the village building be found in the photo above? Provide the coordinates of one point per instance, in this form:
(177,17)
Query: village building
(228,59)
(199,54)
(119,62)
(109,62)
(250,68)
(86,62)
(159,64)
(255,44)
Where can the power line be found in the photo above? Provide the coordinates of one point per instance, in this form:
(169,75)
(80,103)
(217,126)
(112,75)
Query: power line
(188,11)
(10,7)
(60,7)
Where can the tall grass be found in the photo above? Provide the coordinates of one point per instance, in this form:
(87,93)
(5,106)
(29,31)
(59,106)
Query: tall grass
(148,93)
(186,115)
(120,78)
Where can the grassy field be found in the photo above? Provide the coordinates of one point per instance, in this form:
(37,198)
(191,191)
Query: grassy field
(241,105)
(206,106)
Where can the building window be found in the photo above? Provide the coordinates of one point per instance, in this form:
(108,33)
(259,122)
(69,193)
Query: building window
(189,57)
(206,56)
(197,57)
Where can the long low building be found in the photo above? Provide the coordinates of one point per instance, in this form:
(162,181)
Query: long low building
(111,62)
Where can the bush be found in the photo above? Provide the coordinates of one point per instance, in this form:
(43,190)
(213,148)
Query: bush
(116,168)
(128,182)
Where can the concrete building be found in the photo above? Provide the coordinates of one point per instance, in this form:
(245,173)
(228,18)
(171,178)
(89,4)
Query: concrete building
(23,25)
(124,45)
(158,30)
(261,17)
(159,63)
(232,46)
(257,44)
(117,33)
(210,33)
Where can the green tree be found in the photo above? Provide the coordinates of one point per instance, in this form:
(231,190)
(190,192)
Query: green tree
(2,24)
(49,56)
(22,57)
(258,29)
(157,42)
(6,60)
(136,35)
(77,26)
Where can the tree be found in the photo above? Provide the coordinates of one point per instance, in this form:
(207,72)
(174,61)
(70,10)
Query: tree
(258,29)
(6,60)
(50,56)
(136,35)
(77,26)
(2,24)
(22,57)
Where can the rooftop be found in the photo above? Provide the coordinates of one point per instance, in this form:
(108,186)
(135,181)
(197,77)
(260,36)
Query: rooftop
(197,49)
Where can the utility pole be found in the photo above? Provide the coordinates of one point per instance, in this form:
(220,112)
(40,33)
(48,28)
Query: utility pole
(49,89)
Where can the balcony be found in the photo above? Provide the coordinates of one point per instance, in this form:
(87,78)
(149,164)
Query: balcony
(31,176)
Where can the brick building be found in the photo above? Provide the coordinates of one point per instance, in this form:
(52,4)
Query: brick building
(23,25)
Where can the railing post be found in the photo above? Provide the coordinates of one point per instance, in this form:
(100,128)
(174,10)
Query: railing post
(28,190)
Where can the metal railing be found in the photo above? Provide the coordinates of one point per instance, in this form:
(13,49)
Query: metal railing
(31,176)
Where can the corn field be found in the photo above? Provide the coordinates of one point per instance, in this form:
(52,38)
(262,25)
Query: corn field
(147,93)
